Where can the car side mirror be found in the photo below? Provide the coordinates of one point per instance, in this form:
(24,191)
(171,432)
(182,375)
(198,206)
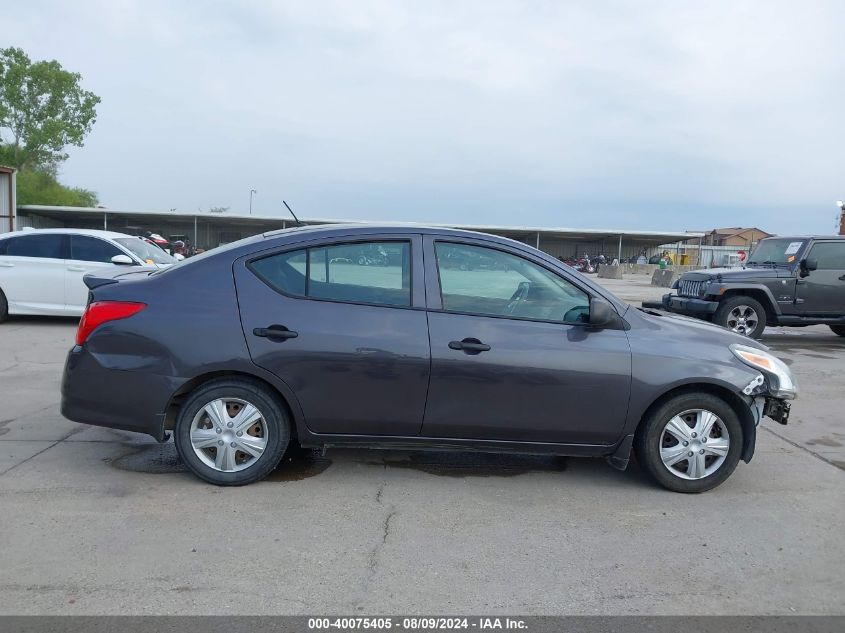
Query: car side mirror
(122,260)
(807,265)
(602,314)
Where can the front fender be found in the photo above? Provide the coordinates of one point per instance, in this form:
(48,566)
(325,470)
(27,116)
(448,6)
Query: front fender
(717,289)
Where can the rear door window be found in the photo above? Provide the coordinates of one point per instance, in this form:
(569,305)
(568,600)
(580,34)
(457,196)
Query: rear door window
(91,249)
(284,272)
(47,246)
(377,273)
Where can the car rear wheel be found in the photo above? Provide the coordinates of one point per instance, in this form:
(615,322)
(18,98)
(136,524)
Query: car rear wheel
(4,307)
(691,443)
(742,315)
(838,329)
(232,432)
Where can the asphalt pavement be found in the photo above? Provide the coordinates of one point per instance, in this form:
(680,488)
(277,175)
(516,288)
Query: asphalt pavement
(95,521)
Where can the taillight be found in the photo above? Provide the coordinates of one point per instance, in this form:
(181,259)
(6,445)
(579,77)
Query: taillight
(101,312)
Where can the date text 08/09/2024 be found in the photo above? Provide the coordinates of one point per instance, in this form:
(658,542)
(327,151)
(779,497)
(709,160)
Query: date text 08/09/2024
(416,623)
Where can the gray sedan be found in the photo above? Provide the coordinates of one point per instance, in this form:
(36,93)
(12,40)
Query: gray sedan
(284,338)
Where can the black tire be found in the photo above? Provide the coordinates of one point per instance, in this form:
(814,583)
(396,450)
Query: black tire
(837,329)
(4,307)
(650,438)
(727,317)
(275,424)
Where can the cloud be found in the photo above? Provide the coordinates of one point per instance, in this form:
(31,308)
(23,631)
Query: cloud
(650,114)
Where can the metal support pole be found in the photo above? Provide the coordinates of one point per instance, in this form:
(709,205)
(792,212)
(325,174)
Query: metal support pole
(538,240)
(105,221)
(620,248)
(195,232)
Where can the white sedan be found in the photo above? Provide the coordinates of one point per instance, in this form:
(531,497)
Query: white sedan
(41,270)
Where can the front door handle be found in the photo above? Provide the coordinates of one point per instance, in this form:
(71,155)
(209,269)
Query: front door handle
(275,332)
(6,265)
(76,269)
(469,346)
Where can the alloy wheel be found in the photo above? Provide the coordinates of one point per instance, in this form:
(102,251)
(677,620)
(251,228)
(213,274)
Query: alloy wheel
(694,444)
(229,434)
(743,320)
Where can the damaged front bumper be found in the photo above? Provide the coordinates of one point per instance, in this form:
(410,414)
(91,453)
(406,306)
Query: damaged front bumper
(777,410)
(764,404)
(768,407)
(760,406)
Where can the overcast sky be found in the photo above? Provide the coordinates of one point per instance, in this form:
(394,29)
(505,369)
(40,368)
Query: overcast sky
(637,115)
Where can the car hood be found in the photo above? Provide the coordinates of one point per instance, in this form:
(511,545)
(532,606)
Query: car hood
(687,329)
(737,274)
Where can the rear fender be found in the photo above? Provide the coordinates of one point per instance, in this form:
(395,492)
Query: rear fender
(278,386)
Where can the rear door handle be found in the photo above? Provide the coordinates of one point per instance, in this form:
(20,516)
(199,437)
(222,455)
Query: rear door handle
(6,265)
(275,333)
(469,346)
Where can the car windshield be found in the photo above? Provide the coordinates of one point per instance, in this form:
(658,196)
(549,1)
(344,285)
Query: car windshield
(146,251)
(779,252)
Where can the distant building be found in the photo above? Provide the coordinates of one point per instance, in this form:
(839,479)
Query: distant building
(736,236)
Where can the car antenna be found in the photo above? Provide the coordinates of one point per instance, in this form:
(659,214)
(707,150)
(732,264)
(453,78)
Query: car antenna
(298,223)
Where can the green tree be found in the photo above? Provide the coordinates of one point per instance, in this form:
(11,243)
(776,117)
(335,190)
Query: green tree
(39,186)
(43,109)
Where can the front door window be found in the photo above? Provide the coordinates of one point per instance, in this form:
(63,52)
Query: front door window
(479,280)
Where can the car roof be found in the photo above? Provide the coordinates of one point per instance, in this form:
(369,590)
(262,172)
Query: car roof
(805,237)
(393,227)
(110,235)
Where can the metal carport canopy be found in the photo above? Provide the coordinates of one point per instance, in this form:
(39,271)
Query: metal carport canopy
(586,234)
(527,233)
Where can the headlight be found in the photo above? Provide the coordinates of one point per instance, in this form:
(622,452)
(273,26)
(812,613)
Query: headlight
(781,382)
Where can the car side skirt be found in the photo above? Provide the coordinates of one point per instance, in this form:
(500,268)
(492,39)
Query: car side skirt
(458,444)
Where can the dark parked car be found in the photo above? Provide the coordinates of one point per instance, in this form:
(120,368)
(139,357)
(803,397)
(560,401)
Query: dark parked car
(244,349)
(794,281)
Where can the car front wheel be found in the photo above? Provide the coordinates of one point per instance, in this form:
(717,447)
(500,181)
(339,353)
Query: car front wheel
(691,443)
(231,432)
(742,315)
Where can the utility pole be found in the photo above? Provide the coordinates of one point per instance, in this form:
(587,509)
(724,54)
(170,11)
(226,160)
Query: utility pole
(251,191)
(841,205)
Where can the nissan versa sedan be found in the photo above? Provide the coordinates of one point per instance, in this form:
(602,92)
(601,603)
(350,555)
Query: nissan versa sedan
(293,336)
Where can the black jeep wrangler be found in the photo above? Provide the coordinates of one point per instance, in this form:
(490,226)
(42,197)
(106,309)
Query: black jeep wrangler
(794,281)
